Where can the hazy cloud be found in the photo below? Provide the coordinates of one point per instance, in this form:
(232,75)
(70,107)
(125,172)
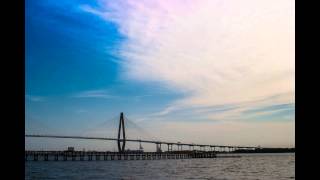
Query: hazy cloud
(215,52)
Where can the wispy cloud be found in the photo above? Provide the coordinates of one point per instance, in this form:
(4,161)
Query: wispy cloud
(35,98)
(94,94)
(215,52)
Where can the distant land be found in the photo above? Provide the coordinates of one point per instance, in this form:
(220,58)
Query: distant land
(266,150)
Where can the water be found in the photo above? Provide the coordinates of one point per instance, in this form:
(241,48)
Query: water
(249,166)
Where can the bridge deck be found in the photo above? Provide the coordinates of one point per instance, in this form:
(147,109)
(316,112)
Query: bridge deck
(139,140)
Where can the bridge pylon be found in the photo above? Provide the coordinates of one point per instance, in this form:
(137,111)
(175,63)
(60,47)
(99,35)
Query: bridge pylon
(121,148)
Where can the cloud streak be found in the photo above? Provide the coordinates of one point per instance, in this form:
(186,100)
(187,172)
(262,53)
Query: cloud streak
(94,94)
(35,98)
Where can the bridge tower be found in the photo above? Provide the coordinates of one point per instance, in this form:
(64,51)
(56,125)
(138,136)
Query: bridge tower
(140,147)
(121,127)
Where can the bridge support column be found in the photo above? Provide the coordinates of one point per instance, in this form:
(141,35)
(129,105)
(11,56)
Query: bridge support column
(158,147)
(35,157)
(46,157)
(169,147)
(138,156)
(81,157)
(73,157)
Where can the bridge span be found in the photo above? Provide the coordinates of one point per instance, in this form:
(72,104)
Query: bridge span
(122,140)
(222,148)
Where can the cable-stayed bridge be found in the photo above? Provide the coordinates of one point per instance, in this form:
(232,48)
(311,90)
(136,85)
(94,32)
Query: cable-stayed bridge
(121,140)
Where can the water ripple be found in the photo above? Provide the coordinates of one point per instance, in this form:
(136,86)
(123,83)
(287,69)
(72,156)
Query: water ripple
(255,167)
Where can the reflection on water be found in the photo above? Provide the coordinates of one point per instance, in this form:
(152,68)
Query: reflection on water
(249,166)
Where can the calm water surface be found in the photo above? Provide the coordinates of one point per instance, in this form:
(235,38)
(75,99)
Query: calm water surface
(249,166)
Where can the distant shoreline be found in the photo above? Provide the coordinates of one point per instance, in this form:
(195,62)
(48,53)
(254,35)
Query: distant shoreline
(267,150)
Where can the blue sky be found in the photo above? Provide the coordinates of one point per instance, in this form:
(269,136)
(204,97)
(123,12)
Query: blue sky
(87,61)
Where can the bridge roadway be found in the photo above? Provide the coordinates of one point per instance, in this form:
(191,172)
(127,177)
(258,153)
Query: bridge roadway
(140,140)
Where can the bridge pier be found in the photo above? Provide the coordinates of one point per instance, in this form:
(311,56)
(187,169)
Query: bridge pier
(56,157)
(131,157)
(35,157)
(97,157)
(158,147)
(73,157)
(46,157)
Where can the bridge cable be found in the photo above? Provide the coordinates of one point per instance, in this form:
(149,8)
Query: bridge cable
(145,134)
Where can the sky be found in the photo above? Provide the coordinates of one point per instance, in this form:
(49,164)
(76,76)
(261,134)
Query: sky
(207,71)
